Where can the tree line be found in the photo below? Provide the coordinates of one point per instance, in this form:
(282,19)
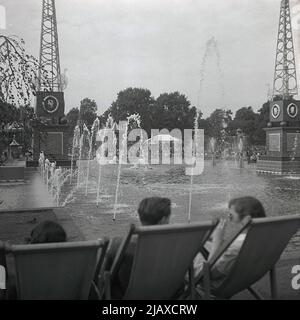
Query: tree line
(174,110)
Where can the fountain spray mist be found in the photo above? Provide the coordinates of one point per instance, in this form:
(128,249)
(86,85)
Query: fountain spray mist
(75,144)
(210,50)
(134,119)
(95,128)
(109,125)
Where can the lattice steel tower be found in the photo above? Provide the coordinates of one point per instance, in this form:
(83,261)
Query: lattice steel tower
(285,79)
(50,74)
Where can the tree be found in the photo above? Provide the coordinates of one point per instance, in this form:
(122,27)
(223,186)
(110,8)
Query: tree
(262,122)
(8,112)
(73,116)
(18,72)
(88,111)
(246,119)
(132,101)
(217,122)
(173,110)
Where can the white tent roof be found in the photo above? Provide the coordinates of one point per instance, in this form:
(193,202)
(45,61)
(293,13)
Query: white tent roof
(162,138)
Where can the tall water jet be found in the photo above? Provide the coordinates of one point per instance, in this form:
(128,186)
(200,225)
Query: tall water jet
(84,134)
(94,129)
(75,144)
(47,167)
(131,119)
(57,182)
(194,151)
(109,125)
(211,75)
(241,149)
(212,142)
(211,49)
(52,170)
(295,149)
(42,164)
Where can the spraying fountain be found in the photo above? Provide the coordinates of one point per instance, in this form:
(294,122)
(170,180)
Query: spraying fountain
(94,130)
(212,143)
(210,50)
(75,144)
(109,126)
(132,122)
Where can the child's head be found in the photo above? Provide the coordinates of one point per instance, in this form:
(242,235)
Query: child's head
(46,232)
(245,206)
(153,211)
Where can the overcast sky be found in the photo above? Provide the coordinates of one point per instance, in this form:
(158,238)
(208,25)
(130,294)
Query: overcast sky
(109,45)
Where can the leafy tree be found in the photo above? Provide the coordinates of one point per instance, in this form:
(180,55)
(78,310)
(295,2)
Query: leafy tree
(169,110)
(132,101)
(246,119)
(73,116)
(217,122)
(88,111)
(18,72)
(262,122)
(8,112)
(173,110)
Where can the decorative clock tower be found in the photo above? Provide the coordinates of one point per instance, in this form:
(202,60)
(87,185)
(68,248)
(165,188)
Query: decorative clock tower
(51,132)
(283,132)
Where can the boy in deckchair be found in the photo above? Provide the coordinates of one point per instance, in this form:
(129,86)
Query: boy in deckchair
(239,208)
(152,211)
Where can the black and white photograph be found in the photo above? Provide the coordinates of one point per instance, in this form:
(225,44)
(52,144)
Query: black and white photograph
(149,150)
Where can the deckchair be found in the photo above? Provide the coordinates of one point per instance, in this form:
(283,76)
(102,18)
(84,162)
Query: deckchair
(57,271)
(3,268)
(265,241)
(162,256)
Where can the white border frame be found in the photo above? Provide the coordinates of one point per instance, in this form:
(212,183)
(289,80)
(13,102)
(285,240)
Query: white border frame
(272,111)
(288,110)
(50,96)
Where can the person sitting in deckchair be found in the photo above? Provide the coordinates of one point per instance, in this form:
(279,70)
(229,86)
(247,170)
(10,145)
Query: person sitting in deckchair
(152,211)
(239,208)
(45,232)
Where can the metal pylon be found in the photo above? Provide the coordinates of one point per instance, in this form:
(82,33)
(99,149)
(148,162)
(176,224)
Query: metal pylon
(49,74)
(285,78)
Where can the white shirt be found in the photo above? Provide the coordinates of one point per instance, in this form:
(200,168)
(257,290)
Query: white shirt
(2,278)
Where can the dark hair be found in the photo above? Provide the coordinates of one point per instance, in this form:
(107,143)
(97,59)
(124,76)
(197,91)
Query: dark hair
(48,231)
(245,206)
(152,210)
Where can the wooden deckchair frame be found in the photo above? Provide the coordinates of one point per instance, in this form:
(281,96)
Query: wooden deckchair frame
(100,244)
(208,265)
(140,231)
(3,264)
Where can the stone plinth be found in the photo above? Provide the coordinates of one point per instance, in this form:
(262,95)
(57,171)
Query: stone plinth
(274,165)
(54,140)
(283,151)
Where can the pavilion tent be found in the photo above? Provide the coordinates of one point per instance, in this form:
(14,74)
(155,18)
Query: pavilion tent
(162,138)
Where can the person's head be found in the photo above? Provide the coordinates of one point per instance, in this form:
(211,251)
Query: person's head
(46,232)
(153,211)
(245,206)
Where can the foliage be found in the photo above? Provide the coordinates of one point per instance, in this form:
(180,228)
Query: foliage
(173,110)
(73,116)
(18,72)
(88,111)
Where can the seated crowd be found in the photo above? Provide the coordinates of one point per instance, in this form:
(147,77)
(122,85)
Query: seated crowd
(152,211)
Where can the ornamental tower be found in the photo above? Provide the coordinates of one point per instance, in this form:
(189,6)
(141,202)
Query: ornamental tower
(51,133)
(283,132)
(50,98)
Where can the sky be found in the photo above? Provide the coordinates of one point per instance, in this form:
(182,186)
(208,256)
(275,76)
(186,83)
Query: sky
(109,45)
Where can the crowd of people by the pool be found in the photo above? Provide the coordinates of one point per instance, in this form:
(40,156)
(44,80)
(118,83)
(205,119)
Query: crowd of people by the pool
(153,211)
